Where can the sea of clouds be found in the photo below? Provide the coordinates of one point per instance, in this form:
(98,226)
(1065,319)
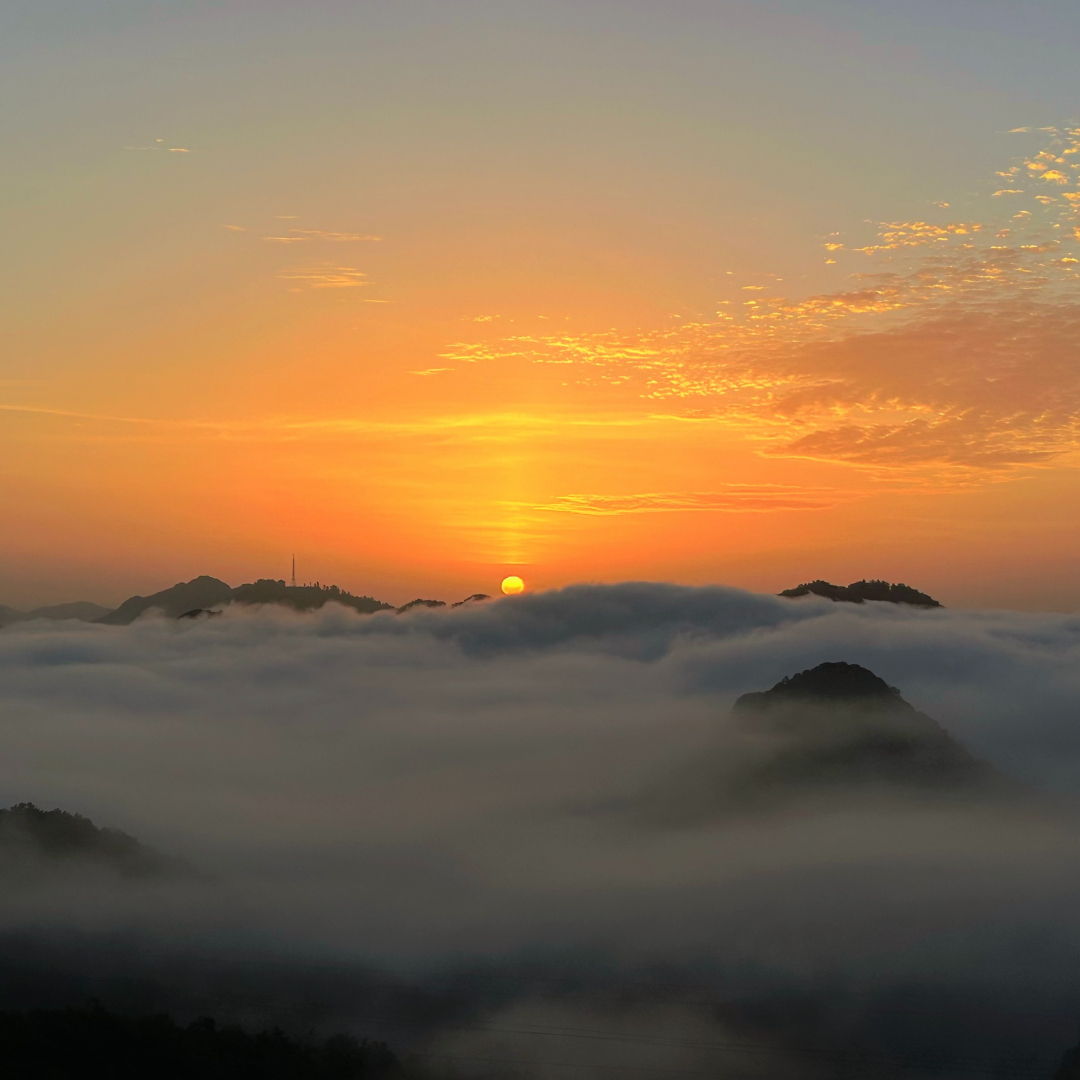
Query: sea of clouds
(440,827)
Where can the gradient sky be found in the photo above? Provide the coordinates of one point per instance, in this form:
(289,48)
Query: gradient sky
(433,292)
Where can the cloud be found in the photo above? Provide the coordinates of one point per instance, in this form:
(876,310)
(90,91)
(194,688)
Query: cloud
(160,145)
(951,354)
(335,237)
(326,277)
(737,497)
(439,797)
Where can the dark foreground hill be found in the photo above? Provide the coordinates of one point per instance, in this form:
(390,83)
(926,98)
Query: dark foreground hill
(860,591)
(31,838)
(92,1044)
(840,724)
(208,592)
(835,732)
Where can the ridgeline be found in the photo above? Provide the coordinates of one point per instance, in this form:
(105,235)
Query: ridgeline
(860,591)
(204,593)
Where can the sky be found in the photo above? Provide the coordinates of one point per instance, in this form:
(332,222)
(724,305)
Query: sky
(429,293)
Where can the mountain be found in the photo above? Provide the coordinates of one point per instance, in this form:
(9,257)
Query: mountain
(835,732)
(83,610)
(303,597)
(200,592)
(474,599)
(205,593)
(859,591)
(29,835)
(840,724)
(421,603)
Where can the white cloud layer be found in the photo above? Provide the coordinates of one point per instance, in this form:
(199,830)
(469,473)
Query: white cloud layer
(451,786)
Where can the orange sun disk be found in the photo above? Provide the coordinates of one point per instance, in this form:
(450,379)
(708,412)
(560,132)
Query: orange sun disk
(513,585)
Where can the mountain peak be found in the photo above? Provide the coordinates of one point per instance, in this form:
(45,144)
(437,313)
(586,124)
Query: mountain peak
(839,723)
(837,681)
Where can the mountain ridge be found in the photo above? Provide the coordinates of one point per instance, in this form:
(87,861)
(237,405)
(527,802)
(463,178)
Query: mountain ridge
(858,592)
(81,610)
(204,592)
(57,836)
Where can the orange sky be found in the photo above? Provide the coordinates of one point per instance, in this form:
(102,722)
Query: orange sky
(427,335)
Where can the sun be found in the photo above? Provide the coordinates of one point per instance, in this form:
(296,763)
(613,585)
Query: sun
(513,585)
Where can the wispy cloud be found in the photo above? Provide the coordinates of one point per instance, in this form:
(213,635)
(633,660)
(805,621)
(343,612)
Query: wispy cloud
(159,144)
(333,237)
(71,414)
(325,277)
(733,498)
(955,344)
(298,236)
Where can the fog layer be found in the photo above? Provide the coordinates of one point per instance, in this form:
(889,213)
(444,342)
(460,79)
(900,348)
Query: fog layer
(455,790)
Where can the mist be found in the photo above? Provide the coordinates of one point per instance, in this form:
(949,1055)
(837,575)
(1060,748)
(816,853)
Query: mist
(450,828)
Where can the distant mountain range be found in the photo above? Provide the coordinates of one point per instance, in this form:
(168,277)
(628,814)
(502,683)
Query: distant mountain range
(81,609)
(203,594)
(859,591)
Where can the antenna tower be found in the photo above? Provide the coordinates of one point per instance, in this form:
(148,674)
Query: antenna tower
(294,571)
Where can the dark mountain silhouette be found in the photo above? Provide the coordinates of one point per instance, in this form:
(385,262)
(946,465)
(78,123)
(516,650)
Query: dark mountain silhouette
(205,593)
(859,591)
(420,603)
(29,834)
(201,592)
(475,598)
(93,1044)
(833,731)
(304,597)
(82,610)
(840,723)
(199,613)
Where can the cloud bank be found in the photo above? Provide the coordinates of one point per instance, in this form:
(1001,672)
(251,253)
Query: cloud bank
(449,798)
(951,346)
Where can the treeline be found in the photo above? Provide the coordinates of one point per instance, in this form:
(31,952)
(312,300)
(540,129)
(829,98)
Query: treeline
(29,832)
(203,594)
(93,1044)
(859,591)
(304,597)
